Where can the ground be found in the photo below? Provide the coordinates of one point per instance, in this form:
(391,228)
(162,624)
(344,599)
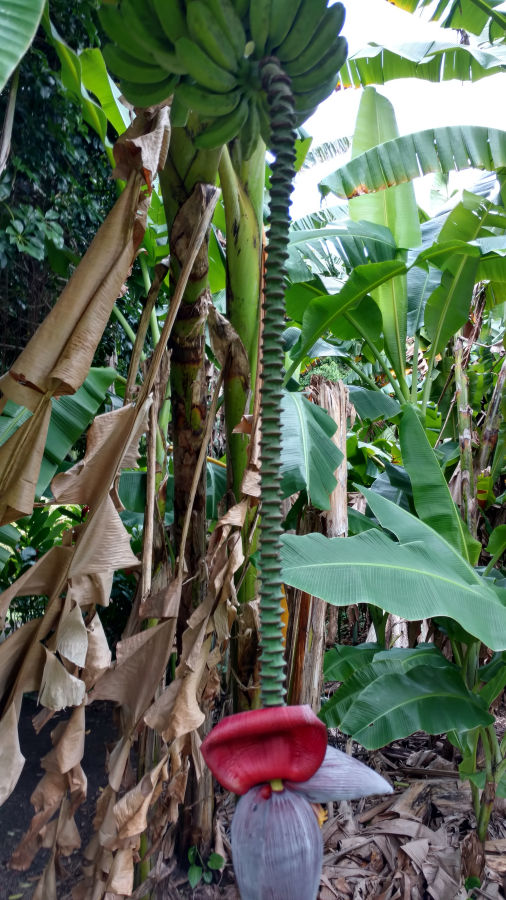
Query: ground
(412,845)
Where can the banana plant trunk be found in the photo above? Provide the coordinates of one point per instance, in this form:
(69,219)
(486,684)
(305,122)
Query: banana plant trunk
(184,181)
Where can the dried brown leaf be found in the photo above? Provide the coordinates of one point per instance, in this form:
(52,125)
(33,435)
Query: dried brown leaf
(11,758)
(131,810)
(121,876)
(72,636)
(58,688)
(176,711)
(228,347)
(144,145)
(38,579)
(98,656)
(20,459)
(147,653)
(68,744)
(104,544)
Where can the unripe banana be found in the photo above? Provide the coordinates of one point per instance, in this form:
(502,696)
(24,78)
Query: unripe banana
(125,66)
(148,94)
(112,22)
(241,7)
(259,22)
(304,26)
(223,129)
(283,13)
(206,102)
(141,23)
(230,23)
(320,44)
(307,101)
(172,17)
(206,32)
(323,70)
(250,132)
(202,68)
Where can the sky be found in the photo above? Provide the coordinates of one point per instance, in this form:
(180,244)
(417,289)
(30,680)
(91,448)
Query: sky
(418,104)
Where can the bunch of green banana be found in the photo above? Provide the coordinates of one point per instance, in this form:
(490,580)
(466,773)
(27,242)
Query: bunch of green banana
(207,52)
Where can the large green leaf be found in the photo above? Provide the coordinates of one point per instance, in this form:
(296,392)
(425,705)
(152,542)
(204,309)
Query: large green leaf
(20,20)
(471,15)
(322,313)
(9,537)
(433,501)
(405,158)
(380,662)
(355,242)
(343,660)
(394,705)
(411,579)
(372,405)
(72,79)
(96,79)
(309,456)
(395,210)
(428,60)
(70,416)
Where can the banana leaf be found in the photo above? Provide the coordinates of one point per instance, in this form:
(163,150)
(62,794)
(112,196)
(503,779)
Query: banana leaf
(371,405)
(404,158)
(322,313)
(428,60)
(393,705)
(355,242)
(417,577)
(471,15)
(309,456)
(20,20)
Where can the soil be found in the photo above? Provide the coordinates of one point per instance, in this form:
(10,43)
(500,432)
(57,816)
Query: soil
(17,811)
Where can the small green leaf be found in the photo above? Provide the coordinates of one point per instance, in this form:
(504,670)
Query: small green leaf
(208,877)
(194,875)
(192,854)
(215,861)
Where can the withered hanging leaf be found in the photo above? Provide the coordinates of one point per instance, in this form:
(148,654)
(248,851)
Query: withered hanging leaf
(131,810)
(40,578)
(105,546)
(68,744)
(117,761)
(98,656)
(228,347)
(144,145)
(121,876)
(46,800)
(95,589)
(58,688)
(20,459)
(177,712)
(11,758)
(111,442)
(72,636)
(147,652)
(46,886)
(12,651)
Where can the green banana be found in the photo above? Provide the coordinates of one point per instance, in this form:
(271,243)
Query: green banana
(202,69)
(306,102)
(125,66)
(223,129)
(283,13)
(241,7)
(178,112)
(149,94)
(305,24)
(206,32)
(320,43)
(230,23)
(142,23)
(111,21)
(250,132)
(207,102)
(172,18)
(323,70)
(259,22)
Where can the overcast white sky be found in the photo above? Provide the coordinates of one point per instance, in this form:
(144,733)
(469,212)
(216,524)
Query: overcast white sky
(418,104)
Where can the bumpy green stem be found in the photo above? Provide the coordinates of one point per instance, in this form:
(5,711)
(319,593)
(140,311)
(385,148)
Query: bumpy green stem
(280,98)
